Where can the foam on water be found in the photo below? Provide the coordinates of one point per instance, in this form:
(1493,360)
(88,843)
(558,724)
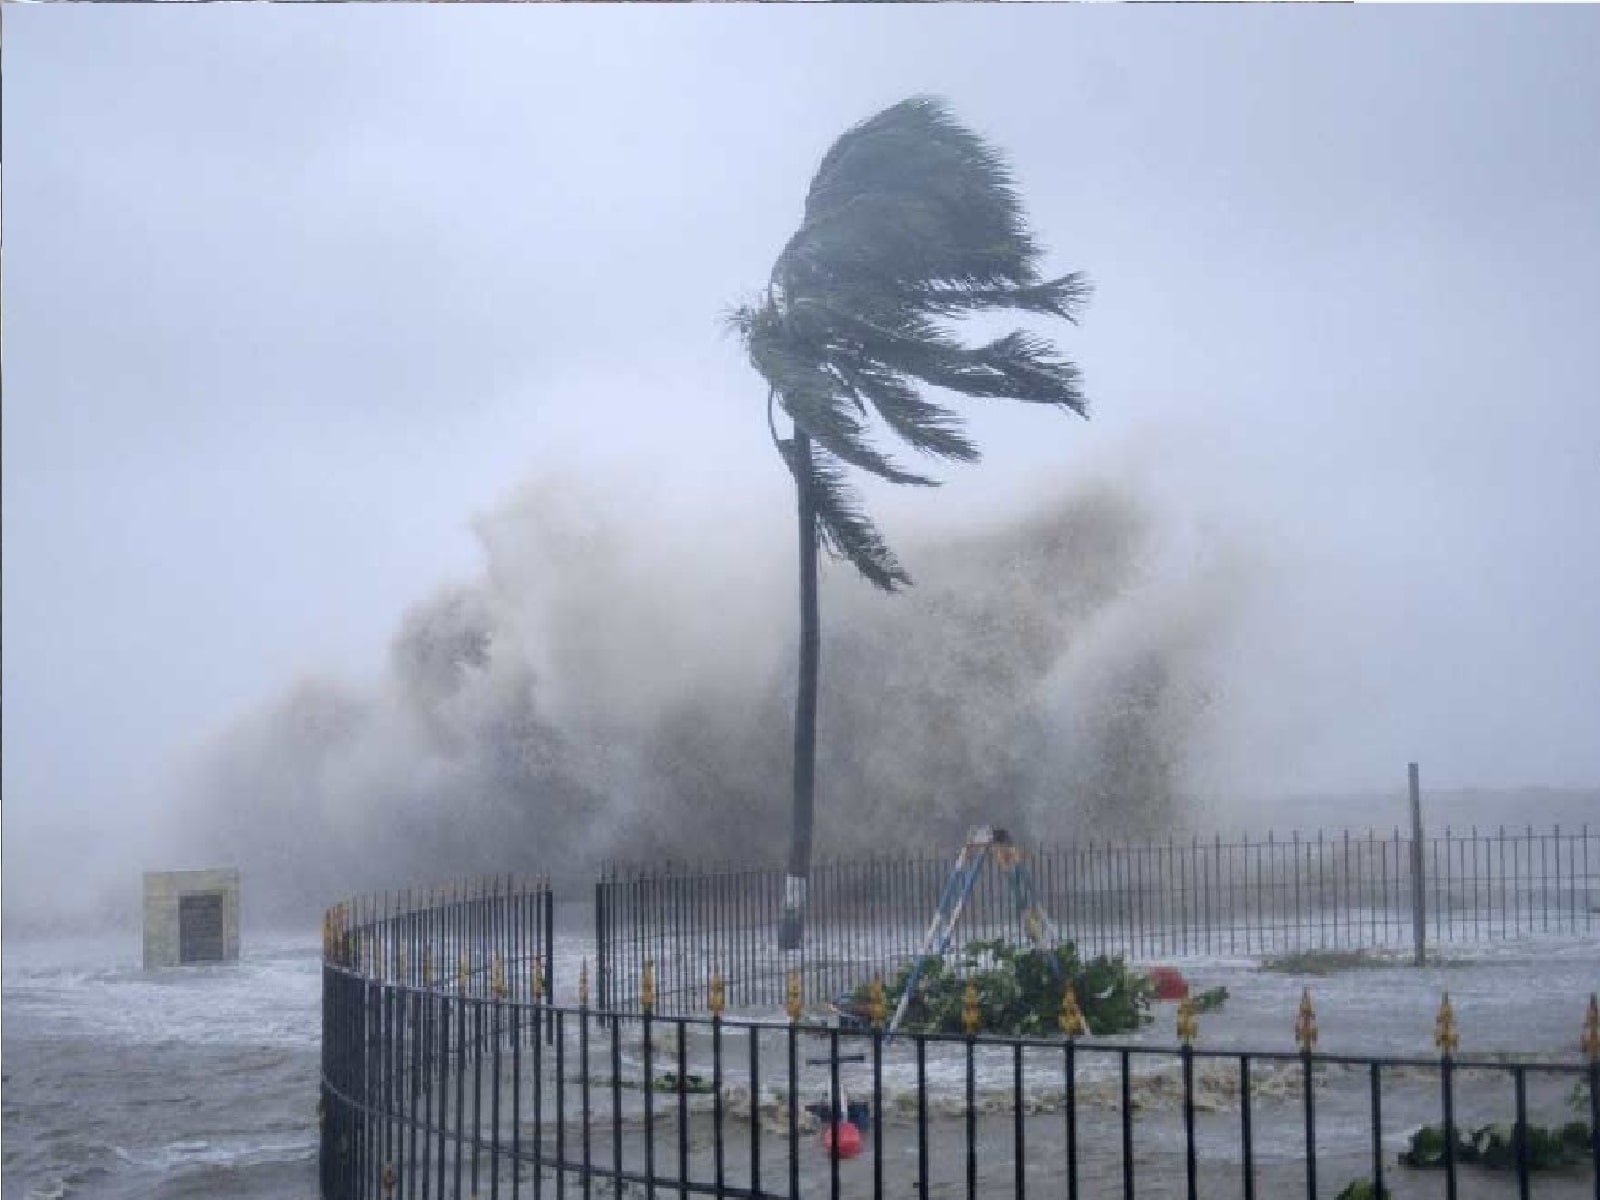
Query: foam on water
(61,989)
(191,1082)
(123,1083)
(242,1152)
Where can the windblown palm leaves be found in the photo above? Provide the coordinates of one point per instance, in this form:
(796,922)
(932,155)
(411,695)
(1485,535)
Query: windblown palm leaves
(911,224)
(912,221)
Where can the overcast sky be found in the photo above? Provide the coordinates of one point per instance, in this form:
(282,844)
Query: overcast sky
(292,293)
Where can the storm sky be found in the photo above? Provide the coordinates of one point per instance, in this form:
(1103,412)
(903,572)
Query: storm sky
(292,295)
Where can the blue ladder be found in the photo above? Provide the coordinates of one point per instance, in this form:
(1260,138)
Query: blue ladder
(980,840)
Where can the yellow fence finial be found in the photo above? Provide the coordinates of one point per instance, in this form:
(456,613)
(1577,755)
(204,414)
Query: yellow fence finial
(792,996)
(647,987)
(1305,1023)
(718,997)
(1033,925)
(1072,1022)
(1188,1024)
(1444,1028)
(1591,1030)
(583,984)
(876,1008)
(969,1008)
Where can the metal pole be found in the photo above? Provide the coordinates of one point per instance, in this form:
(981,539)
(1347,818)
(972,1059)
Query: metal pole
(1419,903)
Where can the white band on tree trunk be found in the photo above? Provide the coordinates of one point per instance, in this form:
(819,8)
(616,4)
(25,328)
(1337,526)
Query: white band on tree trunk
(794,891)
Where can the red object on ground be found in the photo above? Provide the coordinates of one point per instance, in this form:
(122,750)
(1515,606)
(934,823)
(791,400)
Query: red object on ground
(1169,983)
(847,1136)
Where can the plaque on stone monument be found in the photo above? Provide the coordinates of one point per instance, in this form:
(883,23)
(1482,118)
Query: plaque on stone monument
(200,928)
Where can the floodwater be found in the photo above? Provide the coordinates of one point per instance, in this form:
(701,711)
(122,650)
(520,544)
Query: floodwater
(180,1083)
(202,1082)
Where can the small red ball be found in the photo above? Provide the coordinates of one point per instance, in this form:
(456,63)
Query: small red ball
(847,1137)
(1169,983)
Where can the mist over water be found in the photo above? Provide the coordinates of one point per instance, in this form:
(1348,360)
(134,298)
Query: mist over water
(609,688)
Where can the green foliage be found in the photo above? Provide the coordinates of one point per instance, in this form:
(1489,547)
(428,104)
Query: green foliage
(1575,1136)
(1363,1189)
(1209,1000)
(669,1082)
(1322,962)
(1018,992)
(1427,1148)
(1495,1147)
(912,222)
(1578,1098)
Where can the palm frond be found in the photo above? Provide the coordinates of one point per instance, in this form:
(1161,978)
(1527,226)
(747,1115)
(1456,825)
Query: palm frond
(843,527)
(816,402)
(1018,366)
(1064,298)
(1026,367)
(741,320)
(911,221)
(930,428)
(910,195)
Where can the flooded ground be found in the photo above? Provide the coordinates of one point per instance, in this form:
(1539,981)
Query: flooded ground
(203,1082)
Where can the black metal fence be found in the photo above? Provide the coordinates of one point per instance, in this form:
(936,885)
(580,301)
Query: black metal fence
(392,965)
(472,1083)
(1210,897)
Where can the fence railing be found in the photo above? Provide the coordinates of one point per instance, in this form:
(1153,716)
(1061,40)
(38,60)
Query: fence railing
(1147,901)
(472,1083)
(489,937)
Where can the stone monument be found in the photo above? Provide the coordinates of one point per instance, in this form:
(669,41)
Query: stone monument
(191,917)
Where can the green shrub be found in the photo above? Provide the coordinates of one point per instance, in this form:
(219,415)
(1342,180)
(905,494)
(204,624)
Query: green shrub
(1362,1189)
(1575,1137)
(1578,1099)
(1427,1148)
(1494,1147)
(669,1082)
(1018,992)
(1322,962)
(1209,1000)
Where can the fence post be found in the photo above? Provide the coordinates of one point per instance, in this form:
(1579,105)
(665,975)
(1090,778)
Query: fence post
(1419,897)
(549,947)
(602,976)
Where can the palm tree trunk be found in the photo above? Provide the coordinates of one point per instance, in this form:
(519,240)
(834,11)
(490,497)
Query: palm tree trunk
(805,710)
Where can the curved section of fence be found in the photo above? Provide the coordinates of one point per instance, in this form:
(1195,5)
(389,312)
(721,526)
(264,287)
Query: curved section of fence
(413,983)
(450,1071)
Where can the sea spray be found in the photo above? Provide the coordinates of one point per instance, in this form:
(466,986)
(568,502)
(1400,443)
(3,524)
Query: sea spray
(611,689)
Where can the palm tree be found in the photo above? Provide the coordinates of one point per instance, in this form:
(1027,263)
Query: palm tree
(912,221)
